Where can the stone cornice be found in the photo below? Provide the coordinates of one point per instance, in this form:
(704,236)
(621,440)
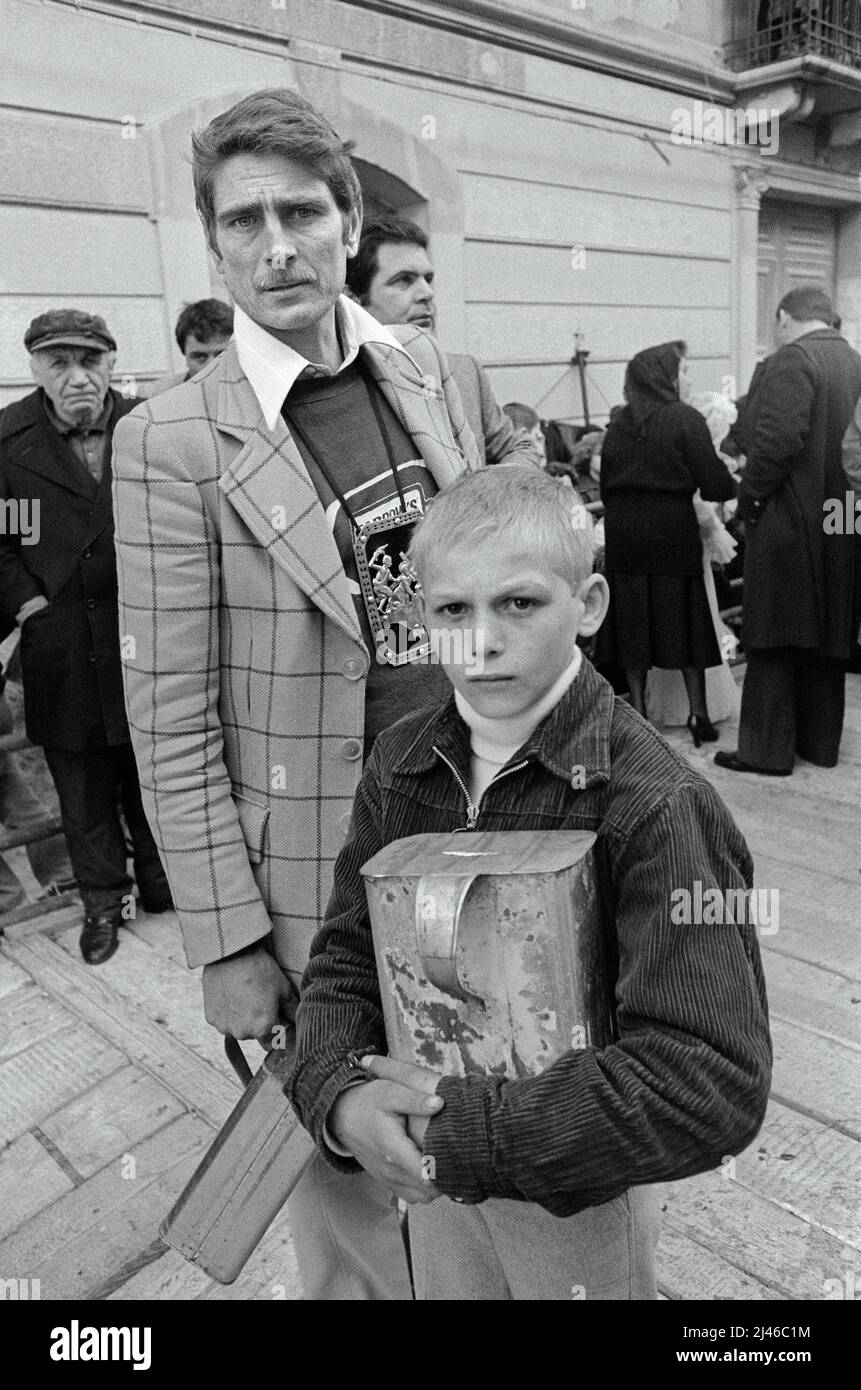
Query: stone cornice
(530,29)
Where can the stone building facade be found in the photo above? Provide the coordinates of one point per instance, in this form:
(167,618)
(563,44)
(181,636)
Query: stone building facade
(624,171)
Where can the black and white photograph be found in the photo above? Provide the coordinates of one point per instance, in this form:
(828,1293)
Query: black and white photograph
(430,667)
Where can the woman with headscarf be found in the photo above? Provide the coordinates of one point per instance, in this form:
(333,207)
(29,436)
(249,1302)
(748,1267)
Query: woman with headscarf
(657,453)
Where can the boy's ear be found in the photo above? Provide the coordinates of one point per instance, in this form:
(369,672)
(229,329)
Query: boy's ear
(594,594)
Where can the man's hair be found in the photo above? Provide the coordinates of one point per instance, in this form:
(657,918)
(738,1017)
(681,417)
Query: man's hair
(522,417)
(205,318)
(805,303)
(510,503)
(273,121)
(380,231)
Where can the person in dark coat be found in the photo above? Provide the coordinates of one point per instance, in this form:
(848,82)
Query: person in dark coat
(58,581)
(657,452)
(798,620)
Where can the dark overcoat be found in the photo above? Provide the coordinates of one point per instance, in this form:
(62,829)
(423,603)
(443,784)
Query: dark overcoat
(70,651)
(799,579)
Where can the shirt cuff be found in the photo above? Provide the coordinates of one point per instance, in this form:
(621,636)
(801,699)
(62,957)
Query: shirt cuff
(33,605)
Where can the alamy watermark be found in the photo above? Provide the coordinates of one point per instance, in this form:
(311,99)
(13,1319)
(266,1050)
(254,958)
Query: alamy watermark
(842,515)
(701,123)
(718,907)
(20,517)
(445,646)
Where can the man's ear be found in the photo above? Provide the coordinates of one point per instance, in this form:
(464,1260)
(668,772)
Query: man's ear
(35,368)
(352,231)
(111,358)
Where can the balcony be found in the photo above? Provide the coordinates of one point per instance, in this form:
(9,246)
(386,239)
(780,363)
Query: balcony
(771,31)
(801,59)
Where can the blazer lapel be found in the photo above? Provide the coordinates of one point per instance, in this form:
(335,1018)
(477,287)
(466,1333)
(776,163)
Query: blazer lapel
(420,405)
(268,485)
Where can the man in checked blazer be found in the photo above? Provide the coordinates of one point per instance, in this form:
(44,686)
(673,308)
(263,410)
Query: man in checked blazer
(254,685)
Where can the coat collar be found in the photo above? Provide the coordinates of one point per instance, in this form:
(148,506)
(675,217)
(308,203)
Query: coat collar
(42,449)
(269,486)
(573,739)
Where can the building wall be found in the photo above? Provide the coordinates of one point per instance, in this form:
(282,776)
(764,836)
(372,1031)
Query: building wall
(556,198)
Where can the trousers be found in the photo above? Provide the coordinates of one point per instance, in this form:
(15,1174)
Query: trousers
(347,1237)
(502,1250)
(91,786)
(792,702)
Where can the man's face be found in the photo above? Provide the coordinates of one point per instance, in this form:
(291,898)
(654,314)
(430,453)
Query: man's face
(198,354)
(75,380)
(783,328)
(519,614)
(536,434)
(401,290)
(281,242)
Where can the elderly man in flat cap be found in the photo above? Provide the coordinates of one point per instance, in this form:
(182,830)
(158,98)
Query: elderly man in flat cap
(58,582)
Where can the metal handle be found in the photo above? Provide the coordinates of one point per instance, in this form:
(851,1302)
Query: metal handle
(236,1058)
(439,903)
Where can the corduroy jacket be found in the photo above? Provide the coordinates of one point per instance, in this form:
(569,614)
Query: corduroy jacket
(685,1082)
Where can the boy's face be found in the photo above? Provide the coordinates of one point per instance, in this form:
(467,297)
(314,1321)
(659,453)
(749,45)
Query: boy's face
(521,617)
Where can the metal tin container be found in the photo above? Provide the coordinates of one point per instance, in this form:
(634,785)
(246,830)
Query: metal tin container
(489,949)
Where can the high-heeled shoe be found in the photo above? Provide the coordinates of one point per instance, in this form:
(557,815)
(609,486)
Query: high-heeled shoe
(702,729)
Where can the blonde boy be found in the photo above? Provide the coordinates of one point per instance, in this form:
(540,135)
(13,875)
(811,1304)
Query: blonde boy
(540,1185)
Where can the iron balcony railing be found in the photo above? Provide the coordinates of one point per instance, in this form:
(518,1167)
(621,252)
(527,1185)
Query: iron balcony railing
(770,31)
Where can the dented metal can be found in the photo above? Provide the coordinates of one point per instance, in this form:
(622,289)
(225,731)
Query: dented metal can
(489,949)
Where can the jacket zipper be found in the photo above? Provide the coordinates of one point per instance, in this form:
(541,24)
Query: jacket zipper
(473,812)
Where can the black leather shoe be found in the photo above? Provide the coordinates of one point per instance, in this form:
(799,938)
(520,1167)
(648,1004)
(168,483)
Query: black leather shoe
(737,764)
(99,937)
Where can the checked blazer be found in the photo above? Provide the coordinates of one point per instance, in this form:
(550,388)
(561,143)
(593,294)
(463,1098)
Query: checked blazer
(245,666)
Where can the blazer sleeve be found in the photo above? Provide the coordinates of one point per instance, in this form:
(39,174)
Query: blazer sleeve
(168,572)
(502,442)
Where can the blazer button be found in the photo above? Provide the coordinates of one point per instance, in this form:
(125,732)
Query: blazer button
(87,555)
(351,749)
(92,656)
(91,603)
(354,668)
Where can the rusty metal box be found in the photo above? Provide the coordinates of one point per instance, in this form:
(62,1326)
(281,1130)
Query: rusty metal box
(489,949)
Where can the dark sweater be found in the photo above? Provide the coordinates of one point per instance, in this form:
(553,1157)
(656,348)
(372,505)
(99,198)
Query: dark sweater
(647,484)
(687,1080)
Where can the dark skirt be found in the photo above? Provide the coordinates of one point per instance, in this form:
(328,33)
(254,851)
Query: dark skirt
(658,620)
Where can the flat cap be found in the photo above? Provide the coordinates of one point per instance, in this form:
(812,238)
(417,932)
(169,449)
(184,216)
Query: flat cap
(69,327)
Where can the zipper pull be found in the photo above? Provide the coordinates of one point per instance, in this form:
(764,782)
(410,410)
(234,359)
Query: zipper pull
(471,816)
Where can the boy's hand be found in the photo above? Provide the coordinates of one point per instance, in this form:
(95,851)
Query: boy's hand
(370,1122)
(423,1079)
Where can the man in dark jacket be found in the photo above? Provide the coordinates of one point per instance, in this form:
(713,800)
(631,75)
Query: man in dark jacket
(799,572)
(58,581)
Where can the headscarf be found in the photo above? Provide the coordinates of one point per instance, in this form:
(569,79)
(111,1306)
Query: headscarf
(651,381)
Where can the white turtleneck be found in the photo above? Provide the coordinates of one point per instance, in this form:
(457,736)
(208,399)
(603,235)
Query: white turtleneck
(493,742)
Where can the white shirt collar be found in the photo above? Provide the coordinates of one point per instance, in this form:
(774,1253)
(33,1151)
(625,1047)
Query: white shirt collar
(272,367)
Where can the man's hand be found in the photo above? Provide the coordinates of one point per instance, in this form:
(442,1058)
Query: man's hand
(247,995)
(422,1079)
(370,1122)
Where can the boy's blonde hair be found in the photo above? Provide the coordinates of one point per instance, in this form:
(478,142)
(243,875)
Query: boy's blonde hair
(510,503)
